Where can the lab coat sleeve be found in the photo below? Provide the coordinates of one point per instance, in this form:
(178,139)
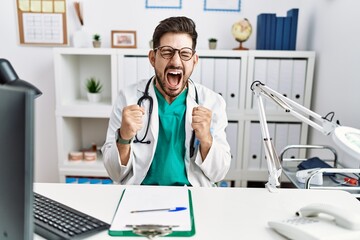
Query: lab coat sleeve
(111,157)
(217,162)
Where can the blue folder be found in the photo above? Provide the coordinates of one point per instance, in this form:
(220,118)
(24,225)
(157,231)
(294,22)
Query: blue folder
(294,14)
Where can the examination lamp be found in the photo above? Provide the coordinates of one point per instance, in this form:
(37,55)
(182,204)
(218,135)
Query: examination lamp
(346,138)
(9,77)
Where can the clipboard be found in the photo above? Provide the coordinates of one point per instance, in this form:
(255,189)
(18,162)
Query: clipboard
(136,198)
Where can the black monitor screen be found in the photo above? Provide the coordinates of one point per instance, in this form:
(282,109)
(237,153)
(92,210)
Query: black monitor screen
(16,162)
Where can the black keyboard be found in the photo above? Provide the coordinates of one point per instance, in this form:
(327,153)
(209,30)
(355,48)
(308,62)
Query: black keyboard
(54,220)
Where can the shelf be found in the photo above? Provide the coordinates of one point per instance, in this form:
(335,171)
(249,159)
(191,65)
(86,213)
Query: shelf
(82,165)
(83,108)
(82,172)
(85,51)
(83,168)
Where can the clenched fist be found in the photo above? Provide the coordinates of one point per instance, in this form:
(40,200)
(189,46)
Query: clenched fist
(131,121)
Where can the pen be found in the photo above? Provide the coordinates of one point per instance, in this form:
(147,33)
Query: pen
(160,210)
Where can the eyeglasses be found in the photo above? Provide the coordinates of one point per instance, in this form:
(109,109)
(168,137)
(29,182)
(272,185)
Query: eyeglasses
(168,52)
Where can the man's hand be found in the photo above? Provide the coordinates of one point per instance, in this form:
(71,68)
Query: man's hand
(201,120)
(131,121)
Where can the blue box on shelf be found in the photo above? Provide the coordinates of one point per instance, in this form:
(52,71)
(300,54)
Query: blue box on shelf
(106,181)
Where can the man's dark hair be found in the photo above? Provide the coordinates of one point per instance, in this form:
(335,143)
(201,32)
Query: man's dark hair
(175,25)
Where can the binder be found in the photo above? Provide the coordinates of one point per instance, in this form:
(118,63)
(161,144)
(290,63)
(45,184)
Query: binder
(260,70)
(261,32)
(144,69)
(149,198)
(294,132)
(294,14)
(279,32)
(285,78)
(281,136)
(231,135)
(268,30)
(233,83)
(196,74)
(207,72)
(299,78)
(272,31)
(255,146)
(221,76)
(286,33)
(130,71)
(273,72)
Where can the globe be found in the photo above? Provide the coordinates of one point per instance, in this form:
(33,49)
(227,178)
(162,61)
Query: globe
(241,31)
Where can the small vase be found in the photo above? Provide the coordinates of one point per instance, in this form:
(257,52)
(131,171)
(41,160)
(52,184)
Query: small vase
(94,97)
(96,44)
(212,45)
(81,38)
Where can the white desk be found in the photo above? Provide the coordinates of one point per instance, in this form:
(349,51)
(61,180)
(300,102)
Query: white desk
(220,213)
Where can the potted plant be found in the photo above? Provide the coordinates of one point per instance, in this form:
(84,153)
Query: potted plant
(212,43)
(94,88)
(96,40)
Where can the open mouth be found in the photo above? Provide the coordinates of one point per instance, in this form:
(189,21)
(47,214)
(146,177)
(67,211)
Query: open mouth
(174,77)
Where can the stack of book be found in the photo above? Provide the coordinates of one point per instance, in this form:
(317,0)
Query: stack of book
(277,33)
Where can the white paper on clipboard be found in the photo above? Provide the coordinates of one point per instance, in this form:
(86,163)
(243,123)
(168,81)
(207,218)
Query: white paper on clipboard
(155,197)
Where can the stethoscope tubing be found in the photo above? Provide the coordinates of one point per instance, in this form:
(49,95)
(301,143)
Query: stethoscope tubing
(145,97)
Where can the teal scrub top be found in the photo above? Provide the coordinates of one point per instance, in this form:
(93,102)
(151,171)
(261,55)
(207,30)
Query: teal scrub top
(168,165)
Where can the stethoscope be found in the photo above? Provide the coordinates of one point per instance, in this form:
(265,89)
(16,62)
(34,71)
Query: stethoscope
(145,97)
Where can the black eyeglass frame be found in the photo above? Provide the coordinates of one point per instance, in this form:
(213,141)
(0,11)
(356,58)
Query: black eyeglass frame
(174,51)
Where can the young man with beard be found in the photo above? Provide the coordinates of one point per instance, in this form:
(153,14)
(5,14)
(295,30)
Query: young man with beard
(168,130)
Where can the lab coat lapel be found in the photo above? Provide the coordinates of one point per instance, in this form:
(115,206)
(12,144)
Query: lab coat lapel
(190,104)
(154,122)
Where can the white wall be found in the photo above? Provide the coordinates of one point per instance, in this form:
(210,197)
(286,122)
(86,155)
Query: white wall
(325,26)
(337,80)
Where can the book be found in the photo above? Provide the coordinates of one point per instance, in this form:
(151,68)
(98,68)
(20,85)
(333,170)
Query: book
(154,205)
(279,33)
(294,14)
(286,33)
(272,31)
(261,31)
(269,30)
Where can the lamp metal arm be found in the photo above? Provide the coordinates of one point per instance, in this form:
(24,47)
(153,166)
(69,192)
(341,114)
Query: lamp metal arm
(313,119)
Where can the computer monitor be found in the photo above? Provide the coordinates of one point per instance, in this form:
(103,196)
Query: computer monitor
(16,162)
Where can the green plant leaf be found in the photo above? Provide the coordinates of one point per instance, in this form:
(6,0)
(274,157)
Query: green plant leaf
(96,37)
(93,85)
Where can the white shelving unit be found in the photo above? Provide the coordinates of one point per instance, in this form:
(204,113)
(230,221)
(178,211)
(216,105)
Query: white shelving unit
(80,124)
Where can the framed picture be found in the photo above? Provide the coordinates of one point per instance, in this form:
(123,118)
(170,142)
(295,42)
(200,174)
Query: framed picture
(123,39)
(222,5)
(177,4)
(42,23)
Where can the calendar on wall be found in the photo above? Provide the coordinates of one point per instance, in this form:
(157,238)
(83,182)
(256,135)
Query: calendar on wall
(42,22)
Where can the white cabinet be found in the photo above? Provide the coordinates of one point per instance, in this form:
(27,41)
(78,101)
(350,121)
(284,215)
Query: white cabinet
(81,124)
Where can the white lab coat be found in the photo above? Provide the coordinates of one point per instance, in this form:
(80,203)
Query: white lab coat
(199,173)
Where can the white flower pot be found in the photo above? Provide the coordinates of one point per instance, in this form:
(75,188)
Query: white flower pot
(96,44)
(94,97)
(212,45)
